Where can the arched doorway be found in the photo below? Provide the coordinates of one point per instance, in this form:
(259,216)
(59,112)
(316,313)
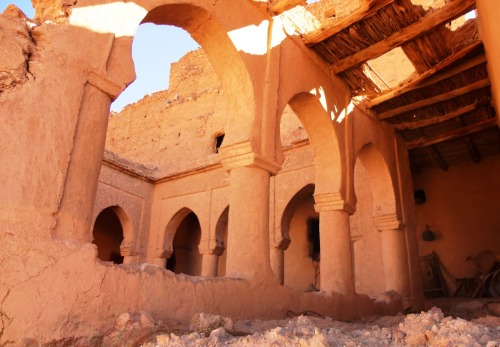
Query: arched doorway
(300,223)
(186,257)
(108,236)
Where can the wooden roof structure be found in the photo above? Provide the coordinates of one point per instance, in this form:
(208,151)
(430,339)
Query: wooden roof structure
(444,111)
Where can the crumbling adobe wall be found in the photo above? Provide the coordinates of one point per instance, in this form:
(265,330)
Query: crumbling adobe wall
(162,128)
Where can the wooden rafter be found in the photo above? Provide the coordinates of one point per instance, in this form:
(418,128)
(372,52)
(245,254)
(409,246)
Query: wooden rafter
(423,123)
(436,99)
(446,14)
(450,135)
(431,76)
(367,9)
(433,153)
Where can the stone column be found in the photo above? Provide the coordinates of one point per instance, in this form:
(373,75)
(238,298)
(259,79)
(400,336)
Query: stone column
(336,270)
(394,256)
(210,263)
(129,254)
(161,256)
(75,213)
(248,224)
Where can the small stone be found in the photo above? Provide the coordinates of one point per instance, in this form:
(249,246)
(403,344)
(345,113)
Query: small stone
(122,321)
(492,344)
(145,319)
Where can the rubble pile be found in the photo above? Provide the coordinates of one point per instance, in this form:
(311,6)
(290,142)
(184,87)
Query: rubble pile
(425,329)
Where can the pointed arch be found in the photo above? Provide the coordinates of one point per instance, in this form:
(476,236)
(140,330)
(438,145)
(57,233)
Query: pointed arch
(323,138)
(112,230)
(384,197)
(289,211)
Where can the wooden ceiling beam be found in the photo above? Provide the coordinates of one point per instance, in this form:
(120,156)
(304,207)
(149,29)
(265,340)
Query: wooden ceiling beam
(435,99)
(366,9)
(450,135)
(430,121)
(447,13)
(431,76)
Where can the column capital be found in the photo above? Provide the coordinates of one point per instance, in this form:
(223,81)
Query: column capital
(164,253)
(128,251)
(332,202)
(387,222)
(243,155)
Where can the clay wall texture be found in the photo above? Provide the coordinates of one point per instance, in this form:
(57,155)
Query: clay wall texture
(63,74)
(463,215)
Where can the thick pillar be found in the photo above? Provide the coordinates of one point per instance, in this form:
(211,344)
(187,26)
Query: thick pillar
(161,256)
(210,263)
(489,26)
(336,270)
(248,224)
(394,256)
(75,212)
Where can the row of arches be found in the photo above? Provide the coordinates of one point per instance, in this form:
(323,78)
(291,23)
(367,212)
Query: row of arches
(183,239)
(299,225)
(321,104)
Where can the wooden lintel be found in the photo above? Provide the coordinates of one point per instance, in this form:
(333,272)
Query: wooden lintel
(447,13)
(431,76)
(450,135)
(367,9)
(284,5)
(435,99)
(423,123)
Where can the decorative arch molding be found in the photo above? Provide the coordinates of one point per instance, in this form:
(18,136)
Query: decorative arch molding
(325,143)
(165,249)
(128,247)
(208,23)
(381,183)
(220,229)
(289,211)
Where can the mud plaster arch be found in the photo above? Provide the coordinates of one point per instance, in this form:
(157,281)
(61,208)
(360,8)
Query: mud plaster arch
(323,137)
(207,22)
(221,227)
(127,247)
(381,183)
(167,237)
(289,211)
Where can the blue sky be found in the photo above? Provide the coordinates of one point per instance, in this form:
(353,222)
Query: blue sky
(155,48)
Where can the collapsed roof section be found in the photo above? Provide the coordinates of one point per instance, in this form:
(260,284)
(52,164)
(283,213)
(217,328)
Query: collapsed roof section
(419,66)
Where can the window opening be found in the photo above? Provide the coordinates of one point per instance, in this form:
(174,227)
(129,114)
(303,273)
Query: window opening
(218,142)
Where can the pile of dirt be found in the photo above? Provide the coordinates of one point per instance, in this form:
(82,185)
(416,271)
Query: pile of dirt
(425,329)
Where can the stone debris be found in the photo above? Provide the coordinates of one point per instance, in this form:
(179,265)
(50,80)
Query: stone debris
(425,329)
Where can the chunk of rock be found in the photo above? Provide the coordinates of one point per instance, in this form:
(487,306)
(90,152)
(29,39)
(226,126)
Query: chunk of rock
(206,323)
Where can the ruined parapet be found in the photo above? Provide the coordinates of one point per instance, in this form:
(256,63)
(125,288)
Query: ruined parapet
(54,10)
(16,46)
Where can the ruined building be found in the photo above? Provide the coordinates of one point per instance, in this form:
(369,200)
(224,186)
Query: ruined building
(294,163)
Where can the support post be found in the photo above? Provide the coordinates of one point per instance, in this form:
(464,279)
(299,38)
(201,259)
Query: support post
(248,224)
(336,270)
(394,255)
